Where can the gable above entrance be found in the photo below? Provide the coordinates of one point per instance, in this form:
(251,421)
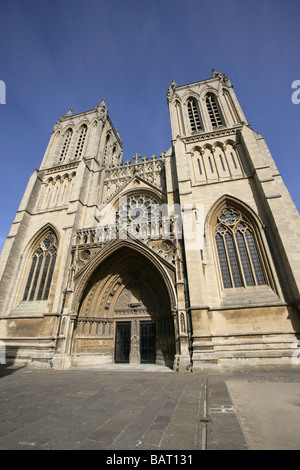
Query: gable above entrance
(146,173)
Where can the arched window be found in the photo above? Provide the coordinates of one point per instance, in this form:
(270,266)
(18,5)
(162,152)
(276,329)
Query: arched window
(107,140)
(231,107)
(66,145)
(194,115)
(239,255)
(41,270)
(141,215)
(81,140)
(138,207)
(213,111)
(179,117)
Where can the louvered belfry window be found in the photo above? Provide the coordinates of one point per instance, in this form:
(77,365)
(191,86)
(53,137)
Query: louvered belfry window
(238,251)
(66,145)
(194,115)
(41,269)
(213,111)
(81,140)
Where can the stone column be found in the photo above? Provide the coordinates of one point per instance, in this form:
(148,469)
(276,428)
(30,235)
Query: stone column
(134,356)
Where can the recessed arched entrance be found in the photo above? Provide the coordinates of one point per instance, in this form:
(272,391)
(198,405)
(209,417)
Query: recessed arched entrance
(124,313)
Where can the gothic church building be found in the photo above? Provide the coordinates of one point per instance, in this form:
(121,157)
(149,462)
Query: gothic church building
(188,260)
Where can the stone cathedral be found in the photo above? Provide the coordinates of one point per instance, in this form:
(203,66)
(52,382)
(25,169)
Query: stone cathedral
(189,259)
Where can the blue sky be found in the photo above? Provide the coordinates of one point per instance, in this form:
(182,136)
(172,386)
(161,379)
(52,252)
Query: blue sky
(57,54)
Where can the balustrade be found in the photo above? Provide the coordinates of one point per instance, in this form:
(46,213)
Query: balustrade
(94,326)
(155,228)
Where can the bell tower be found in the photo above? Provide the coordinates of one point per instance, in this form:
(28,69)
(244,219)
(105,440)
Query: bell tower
(203,107)
(231,192)
(83,136)
(63,194)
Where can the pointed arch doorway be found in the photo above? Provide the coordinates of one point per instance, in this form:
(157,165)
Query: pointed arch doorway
(125,314)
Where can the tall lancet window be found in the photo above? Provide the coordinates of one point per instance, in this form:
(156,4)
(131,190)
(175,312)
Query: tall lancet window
(213,111)
(66,145)
(239,253)
(81,140)
(41,269)
(194,115)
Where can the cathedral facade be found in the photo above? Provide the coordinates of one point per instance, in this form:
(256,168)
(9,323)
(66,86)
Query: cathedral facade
(188,260)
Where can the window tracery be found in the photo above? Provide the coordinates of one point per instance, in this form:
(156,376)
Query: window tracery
(213,111)
(139,207)
(81,140)
(41,269)
(66,145)
(239,255)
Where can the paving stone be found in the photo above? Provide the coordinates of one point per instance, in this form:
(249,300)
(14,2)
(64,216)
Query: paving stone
(105,410)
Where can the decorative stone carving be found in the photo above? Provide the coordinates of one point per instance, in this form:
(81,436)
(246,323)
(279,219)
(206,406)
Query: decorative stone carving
(171,90)
(221,76)
(102,111)
(68,114)
(117,178)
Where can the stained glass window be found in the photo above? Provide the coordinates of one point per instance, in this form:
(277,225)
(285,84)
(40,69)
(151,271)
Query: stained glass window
(239,256)
(41,270)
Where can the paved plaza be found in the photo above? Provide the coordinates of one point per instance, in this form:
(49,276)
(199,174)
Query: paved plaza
(148,408)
